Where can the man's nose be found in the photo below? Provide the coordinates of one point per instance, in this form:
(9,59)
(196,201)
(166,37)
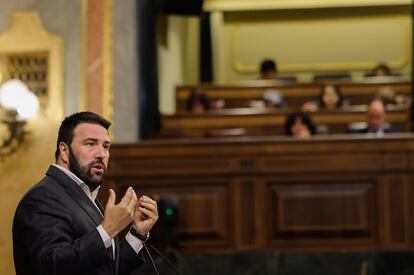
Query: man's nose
(100,152)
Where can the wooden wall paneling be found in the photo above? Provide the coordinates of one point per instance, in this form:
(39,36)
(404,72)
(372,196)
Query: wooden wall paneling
(350,162)
(261,216)
(395,161)
(205,208)
(396,212)
(177,166)
(279,193)
(245,212)
(325,213)
(410,213)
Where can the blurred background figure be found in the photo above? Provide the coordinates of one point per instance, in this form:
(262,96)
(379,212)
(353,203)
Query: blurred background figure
(381,69)
(198,102)
(273,98)
(330,98)
(376,120)
(299,125)
(268,70)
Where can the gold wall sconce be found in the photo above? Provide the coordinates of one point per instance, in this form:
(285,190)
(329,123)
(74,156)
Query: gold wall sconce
(17,105)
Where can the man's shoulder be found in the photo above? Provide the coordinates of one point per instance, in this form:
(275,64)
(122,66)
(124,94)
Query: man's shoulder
(48,186)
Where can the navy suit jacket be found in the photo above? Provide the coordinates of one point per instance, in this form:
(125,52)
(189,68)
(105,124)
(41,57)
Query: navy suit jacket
(54,233)
(368,130)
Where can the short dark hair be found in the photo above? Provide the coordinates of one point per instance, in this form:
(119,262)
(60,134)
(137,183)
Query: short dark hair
(304,117)
(197,96)
(268,65)
(69,124)
(381,67)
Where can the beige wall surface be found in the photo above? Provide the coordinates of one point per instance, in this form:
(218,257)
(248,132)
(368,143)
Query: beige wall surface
(18,173)
(305,42)
(177,57)
(248,5)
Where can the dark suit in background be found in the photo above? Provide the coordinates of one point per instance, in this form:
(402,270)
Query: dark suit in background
(367,130)
(54,233)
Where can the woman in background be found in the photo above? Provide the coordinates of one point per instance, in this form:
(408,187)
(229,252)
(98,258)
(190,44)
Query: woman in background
(330,98)
(198,102)
(299,125)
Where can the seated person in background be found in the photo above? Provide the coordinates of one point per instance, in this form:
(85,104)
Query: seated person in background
(376,115)
(388,95)
(330,98)
(268,70)
(198,102)
(273,98)
(299,125)
(381,69)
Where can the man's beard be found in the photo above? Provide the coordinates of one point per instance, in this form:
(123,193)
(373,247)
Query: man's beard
(84,172)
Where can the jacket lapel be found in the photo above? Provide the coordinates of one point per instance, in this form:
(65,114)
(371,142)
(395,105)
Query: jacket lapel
(116,241)
(76,192)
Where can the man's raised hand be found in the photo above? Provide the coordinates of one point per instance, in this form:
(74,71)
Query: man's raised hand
(118,216)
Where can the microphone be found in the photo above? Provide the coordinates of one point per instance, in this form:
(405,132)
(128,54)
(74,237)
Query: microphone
(152,261)
(162,256)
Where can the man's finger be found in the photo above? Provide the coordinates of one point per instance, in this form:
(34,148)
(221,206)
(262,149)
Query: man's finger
(111,199)
(127,197)
(149,206)
(148,213)
(133,202)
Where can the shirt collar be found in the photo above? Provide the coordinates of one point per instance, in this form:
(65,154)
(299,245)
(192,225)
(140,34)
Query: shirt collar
(91,195)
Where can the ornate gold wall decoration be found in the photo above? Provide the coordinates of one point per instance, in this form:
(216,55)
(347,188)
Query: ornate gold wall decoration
(30,53)
(32,69)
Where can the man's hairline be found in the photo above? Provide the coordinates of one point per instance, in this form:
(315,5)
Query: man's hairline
(76,126)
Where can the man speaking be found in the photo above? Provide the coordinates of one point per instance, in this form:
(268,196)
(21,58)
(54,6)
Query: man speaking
(60,228)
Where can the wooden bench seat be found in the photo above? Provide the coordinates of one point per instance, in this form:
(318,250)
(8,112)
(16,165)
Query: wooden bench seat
(258,122)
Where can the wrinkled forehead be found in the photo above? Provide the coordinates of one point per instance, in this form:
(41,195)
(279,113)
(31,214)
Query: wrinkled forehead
(91,131)
(376,108)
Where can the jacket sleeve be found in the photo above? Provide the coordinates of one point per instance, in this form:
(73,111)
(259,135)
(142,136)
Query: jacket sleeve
(44,227)
(129,260)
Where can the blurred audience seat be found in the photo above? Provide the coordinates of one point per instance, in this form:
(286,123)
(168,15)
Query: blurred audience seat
(332,77)
(287,78)
(171,133)
(229,132)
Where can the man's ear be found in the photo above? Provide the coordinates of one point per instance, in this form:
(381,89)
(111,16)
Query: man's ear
(64,152)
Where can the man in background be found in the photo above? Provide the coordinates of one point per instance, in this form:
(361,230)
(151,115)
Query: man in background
(268,70)
(376,117)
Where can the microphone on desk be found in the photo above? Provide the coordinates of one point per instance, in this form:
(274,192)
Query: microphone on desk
(162,256)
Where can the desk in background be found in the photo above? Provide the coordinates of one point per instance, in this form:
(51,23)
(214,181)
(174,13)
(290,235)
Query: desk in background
(332,193)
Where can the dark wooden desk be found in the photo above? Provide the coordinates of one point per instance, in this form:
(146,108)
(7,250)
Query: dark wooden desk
(239,95)
(258,122)
(336,193)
